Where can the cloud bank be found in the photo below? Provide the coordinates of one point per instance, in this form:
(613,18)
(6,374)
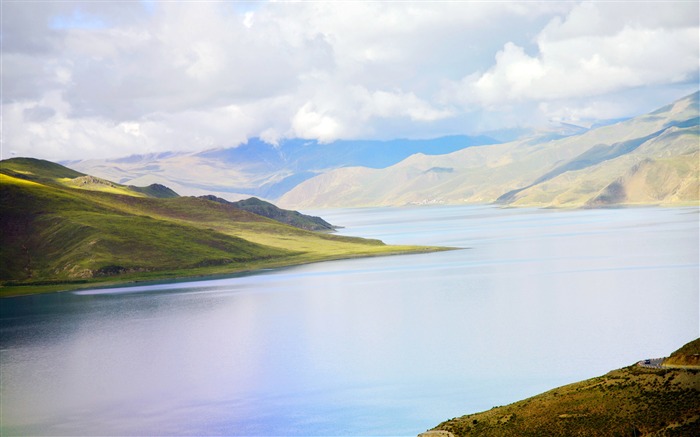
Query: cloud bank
(103,79)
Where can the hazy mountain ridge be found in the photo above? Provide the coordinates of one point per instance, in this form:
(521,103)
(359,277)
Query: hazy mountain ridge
(258,168)
(643,160)
(572,171)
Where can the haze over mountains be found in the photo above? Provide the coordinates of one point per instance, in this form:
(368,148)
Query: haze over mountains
(649,159)
(261,169)
(652,158)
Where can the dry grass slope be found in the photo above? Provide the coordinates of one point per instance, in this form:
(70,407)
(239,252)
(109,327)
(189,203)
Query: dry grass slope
(633,401)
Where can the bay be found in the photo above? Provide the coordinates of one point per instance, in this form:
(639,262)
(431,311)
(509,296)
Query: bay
(532,299)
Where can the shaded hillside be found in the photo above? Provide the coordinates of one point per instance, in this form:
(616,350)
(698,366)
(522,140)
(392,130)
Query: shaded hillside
(632,401)
(267,209)
(258,168)
(54,234)
(57,231)
(650,159)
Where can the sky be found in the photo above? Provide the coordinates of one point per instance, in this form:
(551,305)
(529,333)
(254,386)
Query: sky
(100,79)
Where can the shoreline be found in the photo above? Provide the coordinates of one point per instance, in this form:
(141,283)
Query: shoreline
(29,289)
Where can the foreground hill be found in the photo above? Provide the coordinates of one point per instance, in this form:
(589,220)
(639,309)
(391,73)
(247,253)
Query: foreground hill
(633,401)
(650,159)
(61,228)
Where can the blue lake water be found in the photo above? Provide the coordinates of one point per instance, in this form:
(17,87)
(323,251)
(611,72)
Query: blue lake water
(375,346)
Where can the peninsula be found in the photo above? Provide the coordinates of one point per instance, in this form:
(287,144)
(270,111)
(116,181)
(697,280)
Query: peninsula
(65,230)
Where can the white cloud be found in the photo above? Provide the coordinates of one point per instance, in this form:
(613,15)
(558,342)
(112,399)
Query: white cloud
(249,19)
(398,104)
(595,50)
(309,123)
(109,79)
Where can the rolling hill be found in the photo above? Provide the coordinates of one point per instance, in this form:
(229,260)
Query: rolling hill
(62,228)
(632,401)
(267,209)
(650,159)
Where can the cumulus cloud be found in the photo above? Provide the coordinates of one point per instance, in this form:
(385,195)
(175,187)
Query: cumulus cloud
(98,79)
(398,104)
(598,48)
(308,122)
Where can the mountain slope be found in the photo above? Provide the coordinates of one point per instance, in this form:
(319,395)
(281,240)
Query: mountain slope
(51,234)
(52,173)
(687,356)
(632,401)
(57,233)
(572,171)
(261,169)
(267,209)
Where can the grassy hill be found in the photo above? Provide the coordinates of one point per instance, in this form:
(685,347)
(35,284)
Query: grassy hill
(62,229)
(267,209)
(632,401)
(48,172)
(650,159)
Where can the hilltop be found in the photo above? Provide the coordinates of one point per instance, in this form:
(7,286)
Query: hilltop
(687,356)
(267,209)
(63,229)
(632,401)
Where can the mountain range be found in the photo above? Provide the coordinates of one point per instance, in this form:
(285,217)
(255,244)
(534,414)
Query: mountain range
(258,168)
(649,159)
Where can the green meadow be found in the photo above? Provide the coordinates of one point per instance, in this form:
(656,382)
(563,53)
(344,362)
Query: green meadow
(65,230)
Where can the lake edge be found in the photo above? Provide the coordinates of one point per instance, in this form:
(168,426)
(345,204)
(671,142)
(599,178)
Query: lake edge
(199,274)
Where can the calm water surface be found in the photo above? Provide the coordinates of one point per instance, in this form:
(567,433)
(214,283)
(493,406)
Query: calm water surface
(380,346)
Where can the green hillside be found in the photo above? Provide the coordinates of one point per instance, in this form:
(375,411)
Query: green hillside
(267,209)
(62,229)
(48,172)
(632,401)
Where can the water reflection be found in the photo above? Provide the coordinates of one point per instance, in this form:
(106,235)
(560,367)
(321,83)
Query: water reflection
(386,345)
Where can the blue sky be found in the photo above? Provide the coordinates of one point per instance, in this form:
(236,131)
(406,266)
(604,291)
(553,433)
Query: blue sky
(105,79)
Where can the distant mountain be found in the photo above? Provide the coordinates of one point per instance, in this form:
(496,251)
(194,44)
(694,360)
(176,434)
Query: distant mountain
(61,228)
(305,155)
(650,159)
(257,168)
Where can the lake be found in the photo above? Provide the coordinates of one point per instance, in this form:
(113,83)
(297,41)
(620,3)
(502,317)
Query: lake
(393,345)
